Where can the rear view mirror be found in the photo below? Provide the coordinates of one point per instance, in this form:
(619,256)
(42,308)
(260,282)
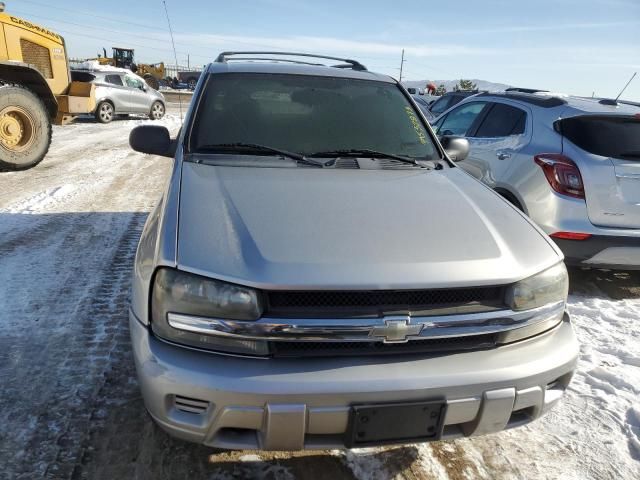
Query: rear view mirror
(152,139)
(457,148)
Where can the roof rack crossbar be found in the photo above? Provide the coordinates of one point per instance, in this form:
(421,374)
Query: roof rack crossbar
(353,63)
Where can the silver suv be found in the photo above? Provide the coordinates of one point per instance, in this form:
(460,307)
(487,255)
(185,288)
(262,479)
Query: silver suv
(572,164)
(320,274)
(121,92)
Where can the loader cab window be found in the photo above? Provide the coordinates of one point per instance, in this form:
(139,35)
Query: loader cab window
(123,55)
(114,79)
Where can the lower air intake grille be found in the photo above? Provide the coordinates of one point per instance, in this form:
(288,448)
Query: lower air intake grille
(38,56)
(426,346)
(190,405)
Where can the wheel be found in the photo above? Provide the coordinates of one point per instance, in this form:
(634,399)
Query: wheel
(105,112)
(152,81)
(157,111)
(192,83)
(25,129)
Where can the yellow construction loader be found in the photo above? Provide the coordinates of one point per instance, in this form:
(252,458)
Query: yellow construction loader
(123,58)
(35,91)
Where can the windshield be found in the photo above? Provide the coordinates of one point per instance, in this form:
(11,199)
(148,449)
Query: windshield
(308,114)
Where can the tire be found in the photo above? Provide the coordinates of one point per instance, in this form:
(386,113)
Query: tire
(152,81)
(25,128)
(157,111)
(105,112)
(192,82)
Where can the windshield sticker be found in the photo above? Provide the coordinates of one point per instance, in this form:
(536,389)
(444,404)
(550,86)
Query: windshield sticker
(422,136)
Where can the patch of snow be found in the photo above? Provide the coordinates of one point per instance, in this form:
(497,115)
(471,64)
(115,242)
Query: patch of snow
(94,66)
(365,464)
(250,458)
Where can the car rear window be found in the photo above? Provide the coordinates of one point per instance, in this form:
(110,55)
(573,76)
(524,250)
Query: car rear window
(502,121)
(81,76)
(615,137)
(308,114)
(442,104)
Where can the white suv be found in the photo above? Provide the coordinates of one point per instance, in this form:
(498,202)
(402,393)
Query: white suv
(572,164)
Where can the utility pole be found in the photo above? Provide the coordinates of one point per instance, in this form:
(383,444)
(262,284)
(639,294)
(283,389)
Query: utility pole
(401,65)
(188,62)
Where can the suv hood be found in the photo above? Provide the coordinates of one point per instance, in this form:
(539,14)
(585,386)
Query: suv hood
(306,228)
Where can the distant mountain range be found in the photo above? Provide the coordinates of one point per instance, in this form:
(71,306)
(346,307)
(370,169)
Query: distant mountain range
(449,84)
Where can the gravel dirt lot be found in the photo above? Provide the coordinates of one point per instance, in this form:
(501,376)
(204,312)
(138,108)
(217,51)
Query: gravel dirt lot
(69,402)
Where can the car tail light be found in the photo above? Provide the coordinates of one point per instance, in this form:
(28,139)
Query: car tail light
(562,174)
(571,235)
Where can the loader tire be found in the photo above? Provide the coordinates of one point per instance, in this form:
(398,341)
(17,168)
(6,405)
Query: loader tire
(25,128)
(152,81)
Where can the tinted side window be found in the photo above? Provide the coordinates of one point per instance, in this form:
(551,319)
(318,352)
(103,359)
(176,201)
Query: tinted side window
(132,81)
(460,120)
(114,79)
(502,121)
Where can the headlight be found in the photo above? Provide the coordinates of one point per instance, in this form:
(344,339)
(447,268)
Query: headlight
(185,294)
(550,286)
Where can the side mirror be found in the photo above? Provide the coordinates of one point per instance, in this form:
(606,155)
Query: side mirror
(152,139)
(457,148)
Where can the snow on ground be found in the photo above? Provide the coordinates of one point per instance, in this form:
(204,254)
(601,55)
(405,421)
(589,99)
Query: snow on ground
(69,401)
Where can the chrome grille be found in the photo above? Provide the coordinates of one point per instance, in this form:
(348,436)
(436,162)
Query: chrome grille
(378,302)
(38,56)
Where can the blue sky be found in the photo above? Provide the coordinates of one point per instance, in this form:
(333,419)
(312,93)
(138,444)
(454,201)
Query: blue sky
(572,46)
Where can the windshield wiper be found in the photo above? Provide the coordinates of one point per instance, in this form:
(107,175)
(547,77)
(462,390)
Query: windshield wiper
(254,147)
(363,152)
(630,154)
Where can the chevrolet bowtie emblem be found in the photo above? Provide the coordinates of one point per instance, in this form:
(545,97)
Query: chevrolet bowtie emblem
(396,330)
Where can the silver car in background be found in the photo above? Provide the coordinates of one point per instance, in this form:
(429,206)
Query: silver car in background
(572,164)
(121,92)
(319,273)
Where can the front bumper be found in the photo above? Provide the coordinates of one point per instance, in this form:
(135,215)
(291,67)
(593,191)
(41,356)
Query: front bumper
(293,404)
(602,251)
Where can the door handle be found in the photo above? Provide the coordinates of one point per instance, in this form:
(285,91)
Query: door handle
(503,155)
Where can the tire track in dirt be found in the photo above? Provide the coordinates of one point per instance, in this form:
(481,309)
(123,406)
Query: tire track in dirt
(60,383)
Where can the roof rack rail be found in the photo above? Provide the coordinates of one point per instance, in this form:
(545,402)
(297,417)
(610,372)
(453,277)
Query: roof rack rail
(525,90)
(355,65)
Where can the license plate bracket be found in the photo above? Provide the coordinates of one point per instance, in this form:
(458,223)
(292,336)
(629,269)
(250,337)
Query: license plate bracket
(385,424)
